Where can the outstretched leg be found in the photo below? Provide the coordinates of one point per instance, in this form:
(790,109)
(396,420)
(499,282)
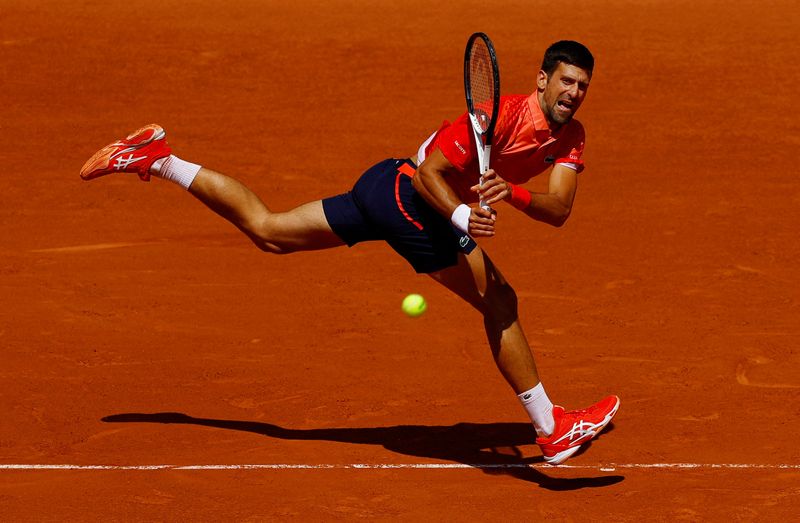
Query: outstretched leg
(300,229)
(146,152)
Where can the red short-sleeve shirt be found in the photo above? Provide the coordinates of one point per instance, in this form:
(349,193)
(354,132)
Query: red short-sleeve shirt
(523,145)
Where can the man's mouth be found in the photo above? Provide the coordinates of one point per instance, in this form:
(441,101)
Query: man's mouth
(565,105)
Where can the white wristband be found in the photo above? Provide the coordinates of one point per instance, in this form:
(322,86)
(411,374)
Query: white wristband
(460,218)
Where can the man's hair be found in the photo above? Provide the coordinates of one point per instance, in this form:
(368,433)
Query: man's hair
(569,52)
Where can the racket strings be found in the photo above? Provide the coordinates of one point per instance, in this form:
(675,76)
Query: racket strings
(481,80)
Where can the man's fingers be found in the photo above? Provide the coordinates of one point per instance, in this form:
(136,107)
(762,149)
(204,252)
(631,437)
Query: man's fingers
(488,179)
(476,229)
(481,222)
(483,215)
(492,193)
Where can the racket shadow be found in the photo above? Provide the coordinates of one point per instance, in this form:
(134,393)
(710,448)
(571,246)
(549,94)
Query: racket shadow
(493,448)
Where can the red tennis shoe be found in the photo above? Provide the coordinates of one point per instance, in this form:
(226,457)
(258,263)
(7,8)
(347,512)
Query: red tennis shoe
(576,427)
(134,154)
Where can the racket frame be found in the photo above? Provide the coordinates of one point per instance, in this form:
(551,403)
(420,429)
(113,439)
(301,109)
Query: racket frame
(483,139)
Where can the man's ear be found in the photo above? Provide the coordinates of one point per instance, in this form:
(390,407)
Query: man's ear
(541,80)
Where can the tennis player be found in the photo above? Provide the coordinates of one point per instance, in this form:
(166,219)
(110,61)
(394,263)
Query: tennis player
(423,206)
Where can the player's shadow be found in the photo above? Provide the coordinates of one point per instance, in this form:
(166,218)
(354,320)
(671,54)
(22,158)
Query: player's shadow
(491,447)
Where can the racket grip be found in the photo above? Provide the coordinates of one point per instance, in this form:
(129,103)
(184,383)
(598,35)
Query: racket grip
(485,206)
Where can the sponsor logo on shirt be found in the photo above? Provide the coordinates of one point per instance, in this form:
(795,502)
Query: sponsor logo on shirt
(575,154)
(460,148)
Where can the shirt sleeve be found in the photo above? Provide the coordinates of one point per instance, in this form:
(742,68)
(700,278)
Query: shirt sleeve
(457,143)
(571,154)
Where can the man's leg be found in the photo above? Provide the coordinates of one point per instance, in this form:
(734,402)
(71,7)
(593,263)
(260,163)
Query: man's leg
(476,279)
(146,153)
(561,433)
(302,228)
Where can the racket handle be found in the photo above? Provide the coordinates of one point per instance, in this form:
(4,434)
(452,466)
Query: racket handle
(483,164)
(483,204)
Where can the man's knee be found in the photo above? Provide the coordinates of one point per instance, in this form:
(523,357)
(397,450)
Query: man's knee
(265,237)
(303,229)
(273,247)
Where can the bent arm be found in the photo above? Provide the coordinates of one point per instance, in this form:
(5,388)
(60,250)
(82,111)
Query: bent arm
(555,206)
(430,181)
(552,207)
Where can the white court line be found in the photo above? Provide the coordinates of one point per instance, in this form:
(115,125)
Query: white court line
(301,466)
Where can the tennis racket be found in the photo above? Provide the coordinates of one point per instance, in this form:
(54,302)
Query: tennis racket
(482,89)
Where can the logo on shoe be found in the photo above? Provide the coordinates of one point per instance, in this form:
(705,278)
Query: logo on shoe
(581,430)
(123,163)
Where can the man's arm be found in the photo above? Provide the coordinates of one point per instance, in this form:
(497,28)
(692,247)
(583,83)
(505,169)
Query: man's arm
(553,207)
(430,182)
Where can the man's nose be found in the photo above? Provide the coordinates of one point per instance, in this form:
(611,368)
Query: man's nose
(573,90)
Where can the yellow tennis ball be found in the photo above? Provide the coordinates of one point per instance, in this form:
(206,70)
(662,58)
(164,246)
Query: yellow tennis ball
(414,305)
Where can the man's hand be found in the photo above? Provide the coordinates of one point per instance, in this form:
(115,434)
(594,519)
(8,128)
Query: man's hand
(481,222)
(493,189)
(552,207)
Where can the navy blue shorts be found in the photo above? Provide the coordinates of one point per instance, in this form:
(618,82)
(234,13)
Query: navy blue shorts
(383,205)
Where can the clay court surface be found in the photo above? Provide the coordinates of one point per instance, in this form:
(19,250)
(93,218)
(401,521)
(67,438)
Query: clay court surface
(139,329)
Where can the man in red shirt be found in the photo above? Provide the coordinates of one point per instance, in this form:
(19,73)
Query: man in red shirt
(420,207)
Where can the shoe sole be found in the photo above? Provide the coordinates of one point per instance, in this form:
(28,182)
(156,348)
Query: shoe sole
(101,159)
(561,457)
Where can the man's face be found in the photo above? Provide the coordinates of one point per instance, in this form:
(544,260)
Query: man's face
(562,93)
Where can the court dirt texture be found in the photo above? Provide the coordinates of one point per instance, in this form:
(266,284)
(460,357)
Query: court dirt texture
(140,329)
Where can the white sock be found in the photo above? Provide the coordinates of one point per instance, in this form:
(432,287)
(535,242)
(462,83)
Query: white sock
(540,410)
(175,170)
